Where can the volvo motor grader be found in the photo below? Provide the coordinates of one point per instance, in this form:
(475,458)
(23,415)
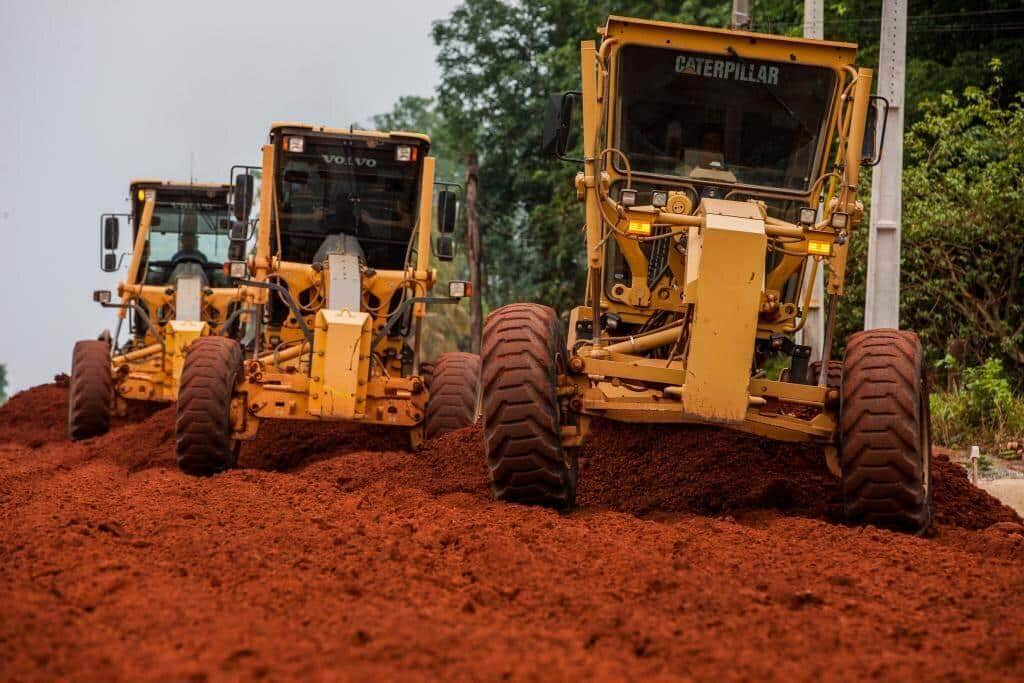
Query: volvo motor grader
(335,293)
(720,173)
(174,292)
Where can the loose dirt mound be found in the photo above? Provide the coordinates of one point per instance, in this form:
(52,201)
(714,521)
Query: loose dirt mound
(40,414)
(35,416)
(335,554)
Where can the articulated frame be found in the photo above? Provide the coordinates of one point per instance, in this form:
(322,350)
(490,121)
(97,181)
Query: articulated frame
(722,292)
(152,371)
(326,362)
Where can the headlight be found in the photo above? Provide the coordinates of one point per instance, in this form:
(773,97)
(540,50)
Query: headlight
(808,215)
(405,153)
(458,289)
(295,143)
(628,197)
(237,269)
(659,198)
(839,220)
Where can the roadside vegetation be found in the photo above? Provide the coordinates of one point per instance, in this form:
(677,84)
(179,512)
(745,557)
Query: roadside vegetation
(980,409)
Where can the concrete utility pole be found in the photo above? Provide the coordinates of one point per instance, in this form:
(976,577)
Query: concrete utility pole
(813,332)
(741,14)
(882,305)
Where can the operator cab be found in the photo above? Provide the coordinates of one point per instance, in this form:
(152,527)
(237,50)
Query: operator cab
(356,190)
(188,233)
(715,126)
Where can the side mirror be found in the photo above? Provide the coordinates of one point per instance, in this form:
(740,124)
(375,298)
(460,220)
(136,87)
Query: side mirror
(871,150)
(111,232)
(444,248)
(243,196)
(109,264)
(237,238)
(557,125)
(447,209)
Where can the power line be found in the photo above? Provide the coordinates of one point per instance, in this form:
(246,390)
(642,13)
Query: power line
(910,19)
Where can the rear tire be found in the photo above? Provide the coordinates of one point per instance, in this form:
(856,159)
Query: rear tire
(885,440)
(454,394)
(833,376)
(522,345)
(91,390)
(202,427)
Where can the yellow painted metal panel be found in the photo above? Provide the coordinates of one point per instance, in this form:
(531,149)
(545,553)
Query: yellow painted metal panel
(341,364)
(729,259)
(178,335)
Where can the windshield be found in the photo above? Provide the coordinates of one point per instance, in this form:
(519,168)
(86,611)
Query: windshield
(186,231)
(348,187)
(722,119)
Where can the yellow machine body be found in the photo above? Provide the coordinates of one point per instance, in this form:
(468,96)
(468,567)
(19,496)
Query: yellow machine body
(151,369)
(341,364)
(725,276)
(353,370)
(737,275)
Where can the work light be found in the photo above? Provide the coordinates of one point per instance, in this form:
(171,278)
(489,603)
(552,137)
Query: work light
(659,198)
(808,215)
(628,197)
(101,296)
(296,144)
(839,220)
(459,288)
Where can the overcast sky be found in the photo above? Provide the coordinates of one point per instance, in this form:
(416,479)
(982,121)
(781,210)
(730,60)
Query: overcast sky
(95,92)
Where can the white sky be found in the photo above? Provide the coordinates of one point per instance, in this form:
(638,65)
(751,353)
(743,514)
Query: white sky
(95,92)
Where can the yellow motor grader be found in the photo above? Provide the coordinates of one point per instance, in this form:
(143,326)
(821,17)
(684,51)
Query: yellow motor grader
(335,294)
(174,292)
(720,173)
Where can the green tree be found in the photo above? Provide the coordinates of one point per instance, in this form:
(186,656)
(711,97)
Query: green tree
(447,326)
(3,383)
(963,227)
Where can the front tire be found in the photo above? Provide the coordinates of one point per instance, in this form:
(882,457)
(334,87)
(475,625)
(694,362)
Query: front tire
(91,390)
(522,345)
(454,392)
(885,440)
(202,427)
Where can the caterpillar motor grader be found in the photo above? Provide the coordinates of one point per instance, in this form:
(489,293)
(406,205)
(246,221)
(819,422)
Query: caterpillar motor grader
(337,289)
(175,291)
(720,173)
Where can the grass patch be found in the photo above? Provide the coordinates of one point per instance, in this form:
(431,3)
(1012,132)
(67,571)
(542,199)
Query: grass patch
(983,411)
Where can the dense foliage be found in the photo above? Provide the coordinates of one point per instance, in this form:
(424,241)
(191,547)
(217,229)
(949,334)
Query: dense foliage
(963,227)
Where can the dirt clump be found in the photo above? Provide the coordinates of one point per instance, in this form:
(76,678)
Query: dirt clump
(334,552)
(958,502)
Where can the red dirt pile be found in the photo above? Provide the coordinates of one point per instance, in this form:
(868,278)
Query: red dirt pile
(334,554)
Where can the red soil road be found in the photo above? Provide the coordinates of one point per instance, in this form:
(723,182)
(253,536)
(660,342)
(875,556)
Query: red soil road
(696,554)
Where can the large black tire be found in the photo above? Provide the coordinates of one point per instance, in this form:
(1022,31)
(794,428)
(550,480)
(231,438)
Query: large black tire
(833,376)
(454,394)
(202,428)
(885,440)
(91,390)
(522,345)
